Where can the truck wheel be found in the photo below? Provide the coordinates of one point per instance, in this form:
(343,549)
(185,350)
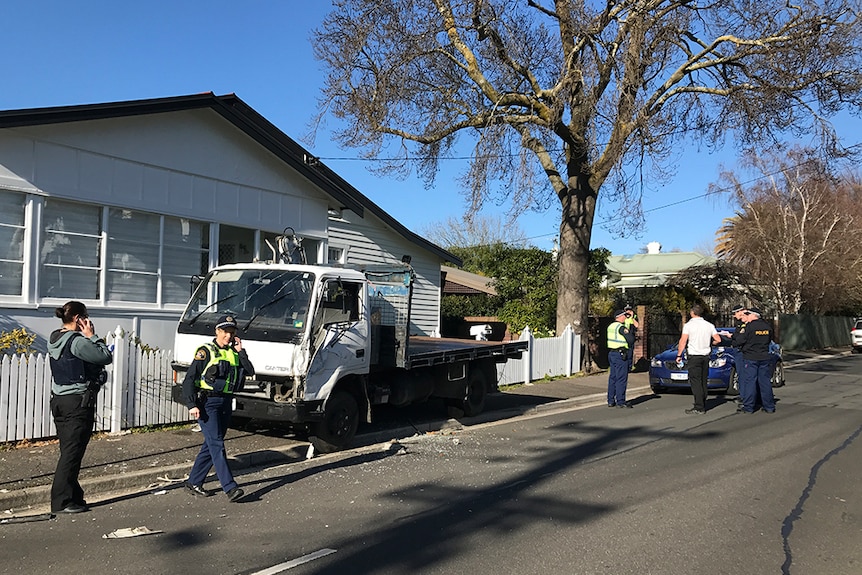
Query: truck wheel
(340,421)
(474,396)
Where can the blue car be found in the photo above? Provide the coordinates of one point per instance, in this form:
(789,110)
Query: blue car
(723,377)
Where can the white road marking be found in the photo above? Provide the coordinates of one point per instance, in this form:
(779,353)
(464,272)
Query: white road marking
(294,562)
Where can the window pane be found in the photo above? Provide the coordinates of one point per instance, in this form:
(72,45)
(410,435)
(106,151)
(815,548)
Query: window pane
(133,255)
(69,253)
(176,289)
(124,286)
(12,208)
(11,242)
(185,253)
(10,278)
(69,283)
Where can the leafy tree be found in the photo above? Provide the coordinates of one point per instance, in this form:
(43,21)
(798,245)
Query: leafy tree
(792,233)
(525,281)
(560,99)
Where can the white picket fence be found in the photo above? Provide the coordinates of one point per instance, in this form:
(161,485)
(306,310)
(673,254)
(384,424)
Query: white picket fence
(138,392)
(545,357)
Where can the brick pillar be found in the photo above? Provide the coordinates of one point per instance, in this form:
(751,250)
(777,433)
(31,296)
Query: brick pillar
(640,349)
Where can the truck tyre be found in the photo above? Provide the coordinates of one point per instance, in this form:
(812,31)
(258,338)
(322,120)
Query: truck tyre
(474,396)
(340,421)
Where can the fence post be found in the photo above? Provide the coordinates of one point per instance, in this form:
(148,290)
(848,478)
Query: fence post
(527,336)
(121,351)
(568,336)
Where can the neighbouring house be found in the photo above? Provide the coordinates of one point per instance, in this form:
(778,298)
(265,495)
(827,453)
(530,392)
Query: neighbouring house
(458,281)
(119,204)
(635,274)
(652,269)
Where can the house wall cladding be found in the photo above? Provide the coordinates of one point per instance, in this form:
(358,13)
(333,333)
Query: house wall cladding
(370,244)
(191,164)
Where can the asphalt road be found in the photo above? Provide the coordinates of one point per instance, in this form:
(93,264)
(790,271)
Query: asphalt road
(648,491)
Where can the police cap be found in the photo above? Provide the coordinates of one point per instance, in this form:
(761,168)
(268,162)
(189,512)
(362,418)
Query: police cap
(619,312)
(737,308)
(226,322)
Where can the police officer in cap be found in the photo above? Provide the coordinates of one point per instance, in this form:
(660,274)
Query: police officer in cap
(620,343)
(754,339)
(739,314)
(218,370)
(633,325)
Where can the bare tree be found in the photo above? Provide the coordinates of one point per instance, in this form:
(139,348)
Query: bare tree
(562,98)
(792,233)
(474,231)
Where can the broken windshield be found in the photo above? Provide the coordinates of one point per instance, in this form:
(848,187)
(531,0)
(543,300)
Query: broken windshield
(264,302)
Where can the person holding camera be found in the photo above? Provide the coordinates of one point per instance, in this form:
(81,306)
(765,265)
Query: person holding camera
(620,342)
(633,325)
(218,370)
(78,359)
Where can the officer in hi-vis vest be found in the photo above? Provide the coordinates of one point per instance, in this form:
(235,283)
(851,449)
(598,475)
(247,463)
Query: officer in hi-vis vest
(620,343)
(218,370)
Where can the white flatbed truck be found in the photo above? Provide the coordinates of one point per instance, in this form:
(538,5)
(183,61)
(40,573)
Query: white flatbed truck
(330,342)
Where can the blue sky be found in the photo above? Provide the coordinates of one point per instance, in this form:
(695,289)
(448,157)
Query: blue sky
(59,53)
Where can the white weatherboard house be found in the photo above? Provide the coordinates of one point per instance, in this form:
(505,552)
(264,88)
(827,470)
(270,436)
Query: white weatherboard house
(119,204)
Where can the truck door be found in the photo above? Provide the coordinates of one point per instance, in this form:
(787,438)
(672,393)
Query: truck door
(339,344)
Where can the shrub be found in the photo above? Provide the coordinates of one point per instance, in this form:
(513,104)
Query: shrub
(16,341)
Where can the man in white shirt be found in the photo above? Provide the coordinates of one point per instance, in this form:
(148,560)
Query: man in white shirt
(698,336)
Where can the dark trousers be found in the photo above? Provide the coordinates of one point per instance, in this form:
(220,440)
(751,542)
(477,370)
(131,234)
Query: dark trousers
(214,419)
(757,375)
(698,374)
(618,376)
(74,428)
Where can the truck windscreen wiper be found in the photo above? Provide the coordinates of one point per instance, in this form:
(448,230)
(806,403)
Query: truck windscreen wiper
(263,307)
(207,308)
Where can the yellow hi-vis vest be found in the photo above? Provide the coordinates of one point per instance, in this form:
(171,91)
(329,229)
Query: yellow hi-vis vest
(226,370)
(615,338)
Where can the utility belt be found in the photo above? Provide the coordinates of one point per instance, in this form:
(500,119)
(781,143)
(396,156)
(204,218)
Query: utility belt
(203,394)
(623,351)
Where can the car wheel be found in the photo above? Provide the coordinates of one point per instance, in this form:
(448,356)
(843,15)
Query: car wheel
(732,383)
(778,375)
(340,421)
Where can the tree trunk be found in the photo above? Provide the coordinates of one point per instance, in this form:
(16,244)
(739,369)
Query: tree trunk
(579,205)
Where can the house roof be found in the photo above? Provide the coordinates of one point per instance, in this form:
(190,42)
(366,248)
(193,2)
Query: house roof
(241,115)
(651,270)
(463,282)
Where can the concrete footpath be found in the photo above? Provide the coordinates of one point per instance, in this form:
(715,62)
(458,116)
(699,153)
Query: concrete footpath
(163,457)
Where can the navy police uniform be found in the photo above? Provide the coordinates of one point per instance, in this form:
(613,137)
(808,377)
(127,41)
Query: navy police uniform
(77,369)
(214,375)
(620,343)
(755,377)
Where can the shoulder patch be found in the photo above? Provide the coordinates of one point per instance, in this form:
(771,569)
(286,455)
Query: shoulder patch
(201,354)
